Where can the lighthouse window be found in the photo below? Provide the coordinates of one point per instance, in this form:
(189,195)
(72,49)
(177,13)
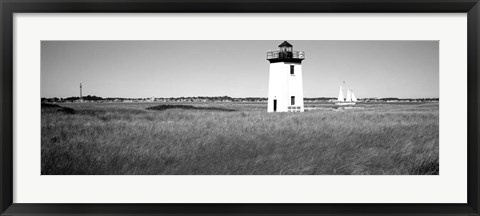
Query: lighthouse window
(292,70)
(293,100)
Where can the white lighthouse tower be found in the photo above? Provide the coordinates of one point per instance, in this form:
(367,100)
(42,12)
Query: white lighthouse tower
(285,87)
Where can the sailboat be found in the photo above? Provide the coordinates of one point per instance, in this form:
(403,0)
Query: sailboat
(350,98)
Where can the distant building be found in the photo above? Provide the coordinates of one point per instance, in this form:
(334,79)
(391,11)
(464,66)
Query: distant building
(152,99)
(285,87)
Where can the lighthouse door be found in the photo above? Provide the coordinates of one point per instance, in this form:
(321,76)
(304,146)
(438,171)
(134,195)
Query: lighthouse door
(274,105)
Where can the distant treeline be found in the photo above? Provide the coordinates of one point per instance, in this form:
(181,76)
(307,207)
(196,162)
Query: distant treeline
(90,98)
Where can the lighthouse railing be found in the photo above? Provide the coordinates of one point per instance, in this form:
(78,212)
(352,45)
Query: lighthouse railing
(275,54)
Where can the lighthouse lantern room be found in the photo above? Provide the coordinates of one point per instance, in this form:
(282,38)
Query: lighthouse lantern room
(285,87)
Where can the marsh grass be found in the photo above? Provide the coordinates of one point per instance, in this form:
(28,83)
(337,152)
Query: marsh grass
(188,107)
(112,139)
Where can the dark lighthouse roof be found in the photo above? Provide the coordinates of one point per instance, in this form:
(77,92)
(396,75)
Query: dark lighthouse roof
(285,44)
(285,53)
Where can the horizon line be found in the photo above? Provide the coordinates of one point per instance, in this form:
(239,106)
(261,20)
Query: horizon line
(241,97)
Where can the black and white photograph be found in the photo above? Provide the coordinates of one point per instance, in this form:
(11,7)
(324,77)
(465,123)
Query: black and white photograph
(240,107)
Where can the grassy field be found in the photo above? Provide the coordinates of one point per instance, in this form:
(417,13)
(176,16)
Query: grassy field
(239,139)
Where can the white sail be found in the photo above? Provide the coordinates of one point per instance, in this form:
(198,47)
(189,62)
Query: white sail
(354,99)
(349,95)
(340,95)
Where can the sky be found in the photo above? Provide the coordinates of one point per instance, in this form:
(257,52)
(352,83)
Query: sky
(403,69)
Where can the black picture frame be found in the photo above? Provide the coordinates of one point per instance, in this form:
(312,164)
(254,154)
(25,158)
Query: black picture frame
(9,7)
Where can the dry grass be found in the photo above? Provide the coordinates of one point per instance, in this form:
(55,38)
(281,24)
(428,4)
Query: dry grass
(111,139)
